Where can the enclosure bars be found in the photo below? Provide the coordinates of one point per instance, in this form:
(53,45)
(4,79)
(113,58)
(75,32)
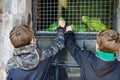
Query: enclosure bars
(115,15)
(33,15)
(79,35)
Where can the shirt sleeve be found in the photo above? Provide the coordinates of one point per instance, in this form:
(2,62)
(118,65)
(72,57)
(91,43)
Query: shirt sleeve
(77,53)
(56,46)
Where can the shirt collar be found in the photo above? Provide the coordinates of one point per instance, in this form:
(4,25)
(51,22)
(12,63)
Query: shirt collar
(106,56)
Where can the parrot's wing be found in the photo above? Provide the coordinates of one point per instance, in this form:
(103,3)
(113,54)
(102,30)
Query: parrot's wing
(52,27)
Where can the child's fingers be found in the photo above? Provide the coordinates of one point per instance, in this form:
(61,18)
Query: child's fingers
(62,23)
(69,28)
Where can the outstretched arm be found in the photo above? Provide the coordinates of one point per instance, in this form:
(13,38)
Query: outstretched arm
(56,46)
(79,55)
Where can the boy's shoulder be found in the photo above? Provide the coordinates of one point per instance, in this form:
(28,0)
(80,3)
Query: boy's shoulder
(11,64)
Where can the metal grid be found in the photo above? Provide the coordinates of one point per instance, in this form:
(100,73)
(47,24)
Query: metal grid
(48,12)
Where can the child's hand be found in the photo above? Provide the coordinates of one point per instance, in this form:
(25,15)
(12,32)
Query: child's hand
(61,23)
(69,28)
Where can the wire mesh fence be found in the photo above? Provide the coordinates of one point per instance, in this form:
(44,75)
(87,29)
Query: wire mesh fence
(83,15)
(87,17)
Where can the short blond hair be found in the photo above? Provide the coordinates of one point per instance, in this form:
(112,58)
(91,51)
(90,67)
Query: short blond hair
(108,41)
(21,35)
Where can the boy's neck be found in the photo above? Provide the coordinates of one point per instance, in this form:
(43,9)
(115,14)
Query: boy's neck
(106,56)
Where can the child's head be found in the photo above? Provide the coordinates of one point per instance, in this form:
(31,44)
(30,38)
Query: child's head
(108,41)
(21,35)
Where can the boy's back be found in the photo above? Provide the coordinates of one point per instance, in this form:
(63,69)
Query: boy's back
(93,68)
(32,74)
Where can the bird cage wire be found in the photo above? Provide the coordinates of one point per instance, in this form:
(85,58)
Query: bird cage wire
(81,14)
(45,20)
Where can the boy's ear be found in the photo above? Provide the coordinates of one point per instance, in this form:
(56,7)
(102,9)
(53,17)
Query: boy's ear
(33,41)
(97,46)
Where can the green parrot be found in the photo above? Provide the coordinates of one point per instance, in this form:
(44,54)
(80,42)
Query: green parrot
(79,27)
(52,27)
(94,24)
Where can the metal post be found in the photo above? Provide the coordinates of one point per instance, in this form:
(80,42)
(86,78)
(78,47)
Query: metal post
(56,69)
(33,15)
(115,15)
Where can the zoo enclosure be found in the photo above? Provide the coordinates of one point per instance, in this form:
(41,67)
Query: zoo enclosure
(47,12)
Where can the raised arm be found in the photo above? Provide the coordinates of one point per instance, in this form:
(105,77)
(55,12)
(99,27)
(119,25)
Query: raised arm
(56,46)
(79,55)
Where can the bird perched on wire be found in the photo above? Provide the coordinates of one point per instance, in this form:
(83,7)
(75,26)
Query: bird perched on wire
(94,24)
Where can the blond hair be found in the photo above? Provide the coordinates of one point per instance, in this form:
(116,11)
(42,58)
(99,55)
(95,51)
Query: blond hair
(21,35)
(108,41)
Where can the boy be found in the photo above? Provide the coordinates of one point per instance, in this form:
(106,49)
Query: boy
(26,63)
(102,65)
